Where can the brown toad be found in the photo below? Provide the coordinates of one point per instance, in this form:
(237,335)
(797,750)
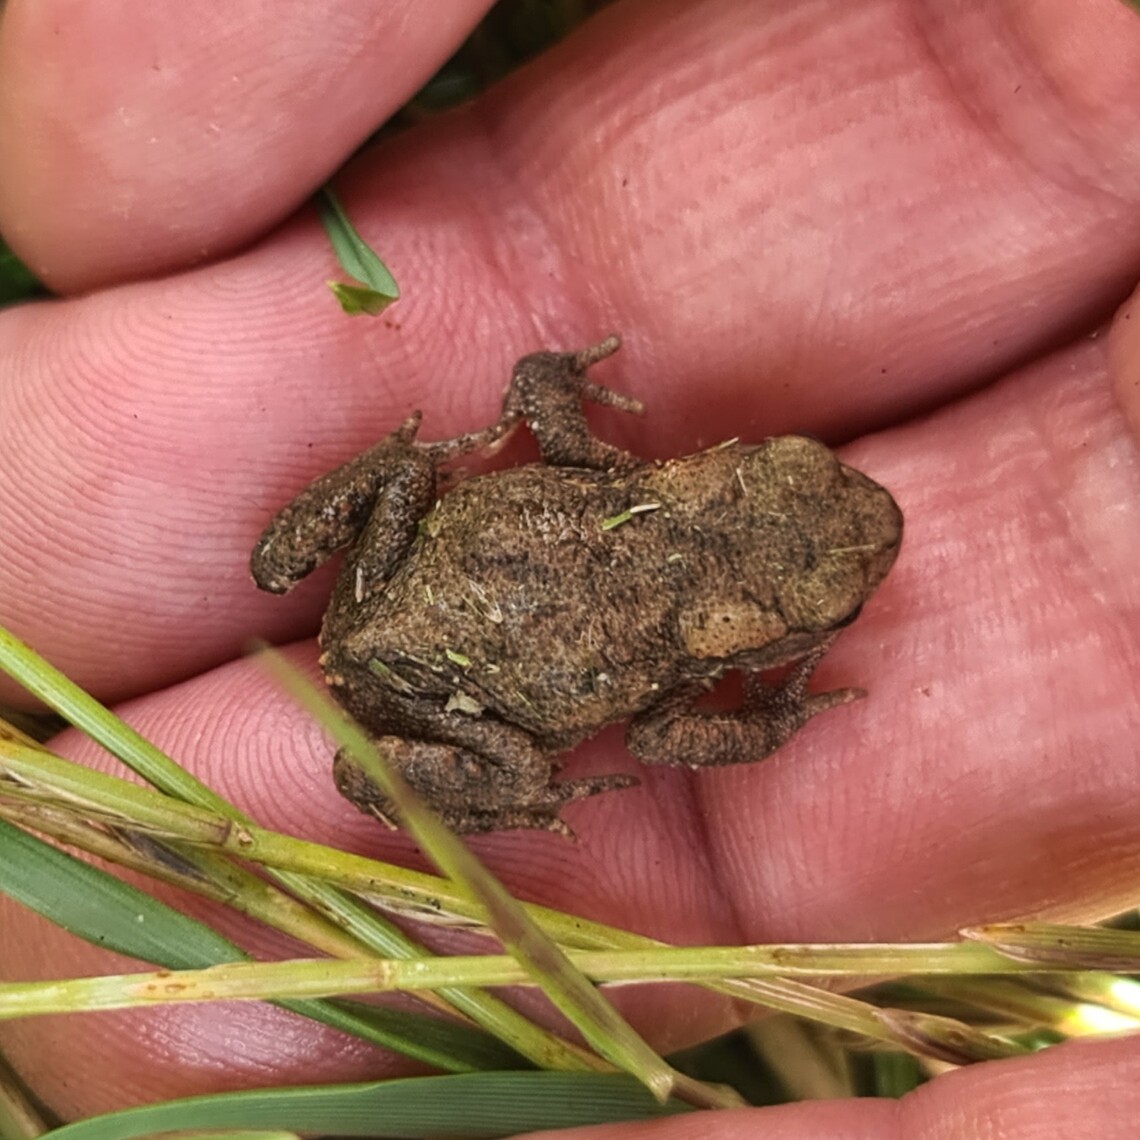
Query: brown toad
(481,634)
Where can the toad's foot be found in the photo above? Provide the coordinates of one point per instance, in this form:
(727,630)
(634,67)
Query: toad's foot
(470,792)
(672,732)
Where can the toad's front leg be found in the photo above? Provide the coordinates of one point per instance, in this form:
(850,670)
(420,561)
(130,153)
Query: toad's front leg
(495,780)
(674,732)
(547,390)
(387,488)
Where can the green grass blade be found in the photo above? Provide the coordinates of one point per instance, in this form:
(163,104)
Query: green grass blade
(896,1074)
(448,1045)
(107,912)
(375,288)
(475,1106)
(738,966)
(144,818)
(102,909)
(234,1134)
(357,930)
(16,280)
(59,692)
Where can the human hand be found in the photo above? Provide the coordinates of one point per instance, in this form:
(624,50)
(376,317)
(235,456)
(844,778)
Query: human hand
(831,218)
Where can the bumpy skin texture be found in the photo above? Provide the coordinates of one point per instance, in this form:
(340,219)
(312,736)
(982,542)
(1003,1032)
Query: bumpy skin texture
(481,634)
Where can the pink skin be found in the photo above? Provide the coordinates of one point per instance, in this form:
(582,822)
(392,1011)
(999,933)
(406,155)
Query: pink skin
(822,216)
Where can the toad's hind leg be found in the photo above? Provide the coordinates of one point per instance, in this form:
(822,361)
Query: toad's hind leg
(496,779)
(673,732)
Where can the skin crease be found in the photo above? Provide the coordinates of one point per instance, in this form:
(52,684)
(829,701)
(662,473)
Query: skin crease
(823,217)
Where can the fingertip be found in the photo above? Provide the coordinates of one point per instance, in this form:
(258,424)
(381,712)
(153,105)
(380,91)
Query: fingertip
(135,141)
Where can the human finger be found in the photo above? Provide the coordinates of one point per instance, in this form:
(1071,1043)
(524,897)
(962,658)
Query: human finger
(135,141)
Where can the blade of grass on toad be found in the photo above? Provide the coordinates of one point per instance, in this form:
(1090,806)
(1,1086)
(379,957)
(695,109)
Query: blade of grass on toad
(107,912)
(351,929)
(375,288)
(566,986)
(477,1106)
